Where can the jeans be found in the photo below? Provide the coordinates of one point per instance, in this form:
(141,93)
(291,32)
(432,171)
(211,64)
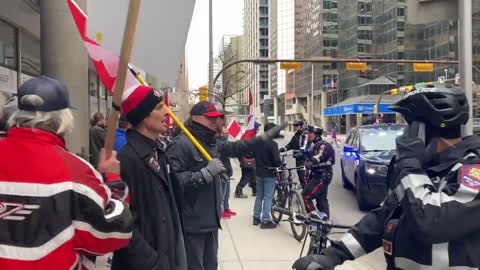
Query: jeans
(263,201)
(226,195)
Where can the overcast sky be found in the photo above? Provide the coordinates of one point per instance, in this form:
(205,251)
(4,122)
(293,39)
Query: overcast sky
(227,20)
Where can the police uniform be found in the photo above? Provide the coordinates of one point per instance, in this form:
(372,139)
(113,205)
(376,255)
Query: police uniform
(321,156)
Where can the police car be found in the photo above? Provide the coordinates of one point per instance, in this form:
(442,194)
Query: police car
(364,162)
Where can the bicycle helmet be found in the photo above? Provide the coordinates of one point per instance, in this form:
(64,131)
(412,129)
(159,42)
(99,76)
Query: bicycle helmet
(298,122)
(437,105)
(316,129)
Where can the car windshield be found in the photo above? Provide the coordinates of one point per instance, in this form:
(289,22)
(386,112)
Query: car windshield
(379,139)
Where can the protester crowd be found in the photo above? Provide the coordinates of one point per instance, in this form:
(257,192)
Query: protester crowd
(156,202)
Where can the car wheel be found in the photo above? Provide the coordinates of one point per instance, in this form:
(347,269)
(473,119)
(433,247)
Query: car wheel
(362,203)
(346,183)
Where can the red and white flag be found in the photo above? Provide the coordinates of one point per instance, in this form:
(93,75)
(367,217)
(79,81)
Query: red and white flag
(106,63)
(234,129)
(250,132)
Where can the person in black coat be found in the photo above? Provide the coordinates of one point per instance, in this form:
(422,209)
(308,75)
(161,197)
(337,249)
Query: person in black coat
(297,144)
(157,242)
(201,181)
(222,139)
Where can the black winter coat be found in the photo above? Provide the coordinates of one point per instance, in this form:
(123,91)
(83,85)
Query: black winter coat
(157,241)
(201,203)
(267,155)
(225,159)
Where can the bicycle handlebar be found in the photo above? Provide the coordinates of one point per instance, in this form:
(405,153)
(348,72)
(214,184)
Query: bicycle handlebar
(309,220)
(279,169)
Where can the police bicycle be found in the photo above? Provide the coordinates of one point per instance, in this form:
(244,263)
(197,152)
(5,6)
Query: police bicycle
(287,196)
(319,228)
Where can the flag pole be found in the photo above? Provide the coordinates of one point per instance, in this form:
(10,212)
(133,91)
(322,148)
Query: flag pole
(125,54)
(177,121)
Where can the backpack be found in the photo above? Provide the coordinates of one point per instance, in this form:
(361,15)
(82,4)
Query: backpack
(248,162)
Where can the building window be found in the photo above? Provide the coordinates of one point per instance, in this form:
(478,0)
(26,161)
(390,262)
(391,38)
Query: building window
(401,12)
(328,4)
(364,20)
(263,21)
(263,10)
(264,31)
(365,34)
(263,42)
(364,7)
(401,26)
(264,85)
(8,54)
(30,51)
(263,53)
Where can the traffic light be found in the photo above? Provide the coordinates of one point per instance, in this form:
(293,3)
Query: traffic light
(203,93)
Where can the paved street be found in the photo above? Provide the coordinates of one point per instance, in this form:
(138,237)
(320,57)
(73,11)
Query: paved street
(245,247)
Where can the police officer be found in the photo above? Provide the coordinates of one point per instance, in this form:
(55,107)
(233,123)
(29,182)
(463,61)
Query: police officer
(431,219)
(298,143)
(320,157)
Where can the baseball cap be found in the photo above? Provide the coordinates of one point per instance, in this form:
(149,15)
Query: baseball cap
(53,93)
(205,108)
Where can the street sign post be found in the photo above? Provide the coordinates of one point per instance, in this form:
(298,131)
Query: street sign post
(423,67)
(290,65)
(359,66)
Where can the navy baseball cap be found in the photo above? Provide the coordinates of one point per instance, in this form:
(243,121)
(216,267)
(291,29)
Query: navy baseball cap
(53,93)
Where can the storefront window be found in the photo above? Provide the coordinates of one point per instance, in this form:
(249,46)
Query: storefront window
(8,55)
(30,51)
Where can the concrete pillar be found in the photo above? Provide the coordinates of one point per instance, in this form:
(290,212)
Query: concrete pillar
(348,122)
(359,119)
(65,58)
(323,106)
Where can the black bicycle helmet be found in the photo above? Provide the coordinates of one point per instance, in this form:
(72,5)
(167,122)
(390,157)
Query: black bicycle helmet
(298,122)
(437,105)
(316,129)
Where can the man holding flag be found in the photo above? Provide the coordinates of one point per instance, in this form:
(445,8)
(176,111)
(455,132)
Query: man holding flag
(201,181)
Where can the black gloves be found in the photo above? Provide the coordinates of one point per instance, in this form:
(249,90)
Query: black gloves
(213,168)
(282,149)
(314,262)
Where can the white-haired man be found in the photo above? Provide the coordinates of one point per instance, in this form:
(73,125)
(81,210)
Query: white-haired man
(55,210)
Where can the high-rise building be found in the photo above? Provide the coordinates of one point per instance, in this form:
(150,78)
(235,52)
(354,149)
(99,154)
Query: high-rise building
(256,45)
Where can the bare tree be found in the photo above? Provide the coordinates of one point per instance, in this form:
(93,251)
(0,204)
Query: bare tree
(233,80)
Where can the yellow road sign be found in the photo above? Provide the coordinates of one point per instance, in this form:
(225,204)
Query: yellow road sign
(203,93)
(361,66)
(290,65)
(423,67)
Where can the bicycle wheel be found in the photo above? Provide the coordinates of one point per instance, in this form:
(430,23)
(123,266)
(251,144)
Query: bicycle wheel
(278,200)
(296,206)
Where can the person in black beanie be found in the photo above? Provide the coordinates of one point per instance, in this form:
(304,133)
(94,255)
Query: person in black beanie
(157,241)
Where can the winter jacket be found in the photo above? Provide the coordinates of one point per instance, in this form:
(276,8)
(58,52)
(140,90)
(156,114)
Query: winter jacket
(97,140)
(202,202)
(120,139)
(225,160)
(298,142)
(157,241)
(54,207)
(267,155)
(431,220)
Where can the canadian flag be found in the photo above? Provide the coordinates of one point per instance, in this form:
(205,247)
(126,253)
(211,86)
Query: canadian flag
(234,129)
(106,63)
